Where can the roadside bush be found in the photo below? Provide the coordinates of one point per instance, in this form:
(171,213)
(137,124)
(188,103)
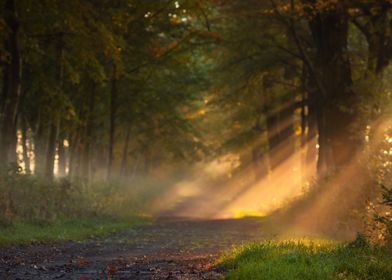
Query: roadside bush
(384,218)
(36,200)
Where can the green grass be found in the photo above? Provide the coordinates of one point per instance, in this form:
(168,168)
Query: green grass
(25,233)
(303,260)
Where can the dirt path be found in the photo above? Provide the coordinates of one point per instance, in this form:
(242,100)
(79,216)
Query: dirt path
(171,248)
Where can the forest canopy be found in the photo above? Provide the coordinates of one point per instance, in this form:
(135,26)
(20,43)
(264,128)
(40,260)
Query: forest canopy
(288,90)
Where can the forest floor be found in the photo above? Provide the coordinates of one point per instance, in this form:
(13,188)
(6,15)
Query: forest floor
(169,248)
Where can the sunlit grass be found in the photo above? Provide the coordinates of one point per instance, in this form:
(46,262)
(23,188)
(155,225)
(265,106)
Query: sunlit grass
(76,229)
(307,259)
(238,214)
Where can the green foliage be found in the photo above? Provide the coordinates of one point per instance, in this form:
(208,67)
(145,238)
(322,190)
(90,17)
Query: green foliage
(73,54)
(360,242)
(379,207)
(385,217)
(308,260)
(387,196)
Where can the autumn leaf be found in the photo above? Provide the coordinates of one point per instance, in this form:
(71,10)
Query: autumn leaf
(112,268)
(84,262)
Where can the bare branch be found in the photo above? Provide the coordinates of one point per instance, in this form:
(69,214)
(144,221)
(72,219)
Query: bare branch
(290,23)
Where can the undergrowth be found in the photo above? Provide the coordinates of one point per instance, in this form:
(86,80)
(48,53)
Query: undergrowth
(35,200)
(33,208)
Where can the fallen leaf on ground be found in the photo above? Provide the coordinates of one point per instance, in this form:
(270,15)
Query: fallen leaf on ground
(83,262)
(112,268)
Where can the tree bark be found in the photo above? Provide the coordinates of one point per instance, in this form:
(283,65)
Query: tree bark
(62,161)
(88,137)
(74,154)
(4,93)
(259,161)
(51,151)
(311,90)
(112,121)
(311,122)
(26,157)
(336,110)
(39,147)
(12,86)
(124,160)
(304,130)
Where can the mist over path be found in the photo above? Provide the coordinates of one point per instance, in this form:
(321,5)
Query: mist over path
(170,248)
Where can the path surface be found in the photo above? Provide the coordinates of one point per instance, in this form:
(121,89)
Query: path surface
(170,248)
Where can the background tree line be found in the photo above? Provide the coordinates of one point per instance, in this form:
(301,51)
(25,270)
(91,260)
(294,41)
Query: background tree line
(112,89)
(311,69)
(89,85)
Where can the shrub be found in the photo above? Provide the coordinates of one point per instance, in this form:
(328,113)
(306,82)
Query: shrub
(36,200)
(385,218)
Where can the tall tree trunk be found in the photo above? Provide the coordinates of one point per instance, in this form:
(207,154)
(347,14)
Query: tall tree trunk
(39,147)
(26,157)
(147,159)
(12,86)
(62,161)
(124,160)
(304,130)
(74,154)
(336,106)
(56,142)
(259,162)
(88,137)
(51,151)
(135,167)
(324,160)
(4,93)
(311,135)
(311,91)
(112,121)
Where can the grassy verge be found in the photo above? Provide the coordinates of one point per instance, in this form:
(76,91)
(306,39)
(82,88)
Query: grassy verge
(302,260)
(24,233)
